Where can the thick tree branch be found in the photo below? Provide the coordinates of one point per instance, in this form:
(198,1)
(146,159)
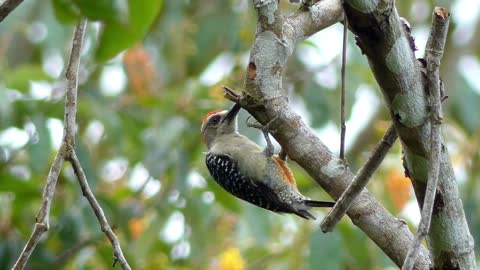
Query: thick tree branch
(360,181)
(305,23)
(264,98)
(67,152)
(383,40)
(434,53)
(7,7)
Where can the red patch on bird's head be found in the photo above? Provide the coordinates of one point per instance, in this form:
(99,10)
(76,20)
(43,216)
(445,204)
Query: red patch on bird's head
(209,114)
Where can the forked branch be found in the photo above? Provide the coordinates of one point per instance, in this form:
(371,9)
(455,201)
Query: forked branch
(67,153)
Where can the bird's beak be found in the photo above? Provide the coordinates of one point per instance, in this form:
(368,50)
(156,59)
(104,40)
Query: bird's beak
(232,113)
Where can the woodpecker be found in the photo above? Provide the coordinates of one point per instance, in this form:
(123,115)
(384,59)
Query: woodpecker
(247,171)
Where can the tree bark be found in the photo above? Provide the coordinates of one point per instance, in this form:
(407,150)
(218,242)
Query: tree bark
(264,98)
(383,40)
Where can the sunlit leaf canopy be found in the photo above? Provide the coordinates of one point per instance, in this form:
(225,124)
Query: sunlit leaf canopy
(150,70)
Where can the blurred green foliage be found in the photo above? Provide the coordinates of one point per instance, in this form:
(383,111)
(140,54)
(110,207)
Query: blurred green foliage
(148,76)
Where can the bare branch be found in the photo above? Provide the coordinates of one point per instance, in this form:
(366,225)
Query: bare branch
(87,192)
(42,223)
(72,85)
(7,7)
(343,127)
(67,152)
(360,181)
(319,16)
(434,52)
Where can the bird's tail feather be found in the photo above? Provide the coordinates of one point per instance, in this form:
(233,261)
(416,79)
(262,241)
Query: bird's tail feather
(313,203)
(304,214)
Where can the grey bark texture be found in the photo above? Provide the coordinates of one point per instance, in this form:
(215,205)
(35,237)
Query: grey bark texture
(383,40)
(264,98)
(8,6)
(360,181)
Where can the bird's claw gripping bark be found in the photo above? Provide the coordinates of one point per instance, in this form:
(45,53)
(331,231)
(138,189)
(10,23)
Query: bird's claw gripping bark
(269,149)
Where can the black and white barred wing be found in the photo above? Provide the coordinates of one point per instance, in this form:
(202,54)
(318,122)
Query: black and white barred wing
(226,173)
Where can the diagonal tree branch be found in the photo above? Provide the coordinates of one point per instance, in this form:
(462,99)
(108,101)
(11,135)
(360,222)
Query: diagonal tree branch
(87,192)
(67,153)
(264,98)
(7,7)
(42,221)
(360,180)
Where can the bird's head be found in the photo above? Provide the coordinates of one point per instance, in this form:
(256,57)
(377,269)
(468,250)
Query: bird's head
(218,123)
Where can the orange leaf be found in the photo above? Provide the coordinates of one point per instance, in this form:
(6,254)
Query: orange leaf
(140,70)
(136,227)
(399,188)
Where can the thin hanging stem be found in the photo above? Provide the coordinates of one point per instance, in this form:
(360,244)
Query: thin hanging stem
(342,98)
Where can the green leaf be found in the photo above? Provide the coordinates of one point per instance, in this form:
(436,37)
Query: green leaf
(309,43)
(20,77)
(40,148)
(355,244)
(66,11)
(317,104)
(463,103)
(87,164)
(116,37)
(262,231)
(107,11)
(23,189)
(221,34)
(325,251)
(69,228)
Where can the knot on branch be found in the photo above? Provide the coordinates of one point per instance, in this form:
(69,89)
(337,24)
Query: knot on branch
(247,101)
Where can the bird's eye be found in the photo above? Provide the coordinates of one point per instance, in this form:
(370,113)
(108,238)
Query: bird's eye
(215,119)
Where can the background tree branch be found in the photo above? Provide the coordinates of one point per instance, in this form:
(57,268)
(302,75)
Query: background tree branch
(8,6)
(67,152)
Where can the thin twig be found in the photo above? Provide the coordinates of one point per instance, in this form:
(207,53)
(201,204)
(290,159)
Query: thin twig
(343,129)
(433,52)
(42,223)
(7,7)
(360,180)
(67,152)
(87,192)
